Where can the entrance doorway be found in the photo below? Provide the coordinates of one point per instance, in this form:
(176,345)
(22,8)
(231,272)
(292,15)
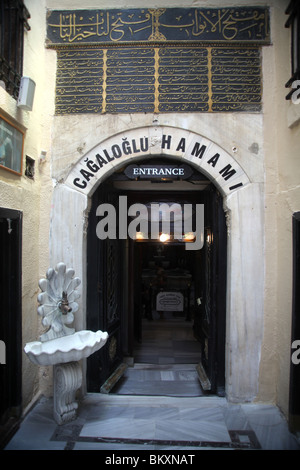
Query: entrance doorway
(10,322)
(160,303)
(164,295)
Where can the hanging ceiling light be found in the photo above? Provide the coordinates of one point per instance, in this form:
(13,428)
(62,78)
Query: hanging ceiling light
(164,237)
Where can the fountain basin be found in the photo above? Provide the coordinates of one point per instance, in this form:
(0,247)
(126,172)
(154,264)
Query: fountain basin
(69,348)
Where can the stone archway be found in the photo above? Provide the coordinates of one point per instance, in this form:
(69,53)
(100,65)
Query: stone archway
(243,203)
(205,155)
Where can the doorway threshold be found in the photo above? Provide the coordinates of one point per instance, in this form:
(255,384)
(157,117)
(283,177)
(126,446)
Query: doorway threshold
(204,380)
(110,383)
(176,380)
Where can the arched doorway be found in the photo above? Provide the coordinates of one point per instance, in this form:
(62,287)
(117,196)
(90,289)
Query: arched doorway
(243,201)
(128,278)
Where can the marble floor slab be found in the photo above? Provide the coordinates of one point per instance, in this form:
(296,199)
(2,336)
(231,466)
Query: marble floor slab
(134,423)
(179,380)
(157,406)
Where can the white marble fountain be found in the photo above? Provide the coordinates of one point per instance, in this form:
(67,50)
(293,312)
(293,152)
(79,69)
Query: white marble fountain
(60,346)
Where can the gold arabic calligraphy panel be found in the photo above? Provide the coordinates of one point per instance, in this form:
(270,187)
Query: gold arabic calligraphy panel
(183,79)
(235,79)
(79,81)
(130,80)
(158,79)
(158,60)
(225,24)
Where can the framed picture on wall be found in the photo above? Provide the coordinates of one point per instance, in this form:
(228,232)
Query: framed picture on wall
(11,146)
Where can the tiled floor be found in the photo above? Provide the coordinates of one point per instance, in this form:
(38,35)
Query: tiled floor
(158,406)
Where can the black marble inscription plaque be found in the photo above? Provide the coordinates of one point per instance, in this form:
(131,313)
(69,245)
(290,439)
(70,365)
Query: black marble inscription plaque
(236,79)
(183,79)
(130,80)
(226,24)
(79,81)
(158,79)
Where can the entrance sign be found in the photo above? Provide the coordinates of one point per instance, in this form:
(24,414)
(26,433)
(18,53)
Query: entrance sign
(202,154)
(173,172)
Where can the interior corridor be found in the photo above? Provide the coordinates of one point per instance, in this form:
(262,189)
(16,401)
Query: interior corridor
(165,359)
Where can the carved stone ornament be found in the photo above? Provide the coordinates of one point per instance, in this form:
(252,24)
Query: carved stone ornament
(60,346)
(67,379)
(57,301)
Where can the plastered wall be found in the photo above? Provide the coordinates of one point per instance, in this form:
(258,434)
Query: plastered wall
(31,196)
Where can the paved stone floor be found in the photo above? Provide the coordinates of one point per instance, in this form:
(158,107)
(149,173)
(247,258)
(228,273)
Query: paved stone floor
(156,423)
(158,406)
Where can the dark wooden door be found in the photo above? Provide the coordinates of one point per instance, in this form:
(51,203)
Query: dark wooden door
(104,296)
(210,318)
(294,399)
(10,321)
